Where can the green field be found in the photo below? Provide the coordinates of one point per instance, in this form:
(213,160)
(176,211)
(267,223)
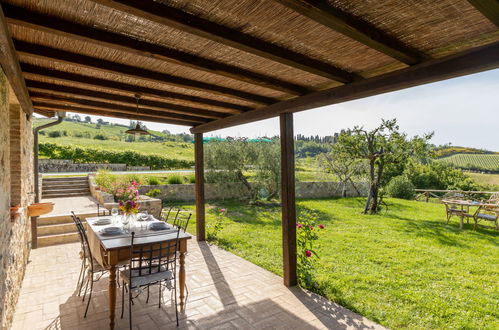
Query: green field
(115,139)
(404,268)
(473,161)
(489,179)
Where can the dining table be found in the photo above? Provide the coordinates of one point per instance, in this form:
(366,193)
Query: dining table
(464,206)
(112,251)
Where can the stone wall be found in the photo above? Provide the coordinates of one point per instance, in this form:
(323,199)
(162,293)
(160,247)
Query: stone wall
(16,188)
(185,192)
(68,165)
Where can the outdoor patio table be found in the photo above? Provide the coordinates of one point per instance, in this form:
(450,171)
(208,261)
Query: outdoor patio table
(109,251)
(464,205)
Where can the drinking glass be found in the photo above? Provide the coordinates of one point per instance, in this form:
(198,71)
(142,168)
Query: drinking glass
(125,219)
(144,217)
(114,213)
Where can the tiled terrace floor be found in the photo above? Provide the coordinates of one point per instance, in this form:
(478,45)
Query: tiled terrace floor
(79,205)
(225,292)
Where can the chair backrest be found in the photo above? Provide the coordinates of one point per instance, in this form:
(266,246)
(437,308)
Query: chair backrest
(85,246)
(494,198)
(182,220)
(148,259)
(166,213)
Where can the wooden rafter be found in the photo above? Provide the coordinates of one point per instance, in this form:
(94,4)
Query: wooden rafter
(489,8)
(178,19)
(10,65)
(112,107)
(472,61)
(22,17)
(355,28)
(62,56)
(44,87)
(70,78)
(45,106)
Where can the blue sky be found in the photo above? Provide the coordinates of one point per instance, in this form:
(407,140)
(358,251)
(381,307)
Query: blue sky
(463,111)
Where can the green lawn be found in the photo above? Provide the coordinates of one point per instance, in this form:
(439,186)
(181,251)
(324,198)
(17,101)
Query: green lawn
(404,268)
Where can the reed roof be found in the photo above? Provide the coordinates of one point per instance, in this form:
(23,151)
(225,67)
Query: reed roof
(198,61)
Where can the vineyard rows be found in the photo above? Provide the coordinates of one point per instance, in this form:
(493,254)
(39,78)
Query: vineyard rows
(474,161)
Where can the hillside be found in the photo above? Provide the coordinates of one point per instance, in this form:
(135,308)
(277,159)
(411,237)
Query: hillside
(446,151)
(113,138)
(478,162)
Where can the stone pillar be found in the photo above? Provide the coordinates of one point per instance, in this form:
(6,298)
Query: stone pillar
(16,188)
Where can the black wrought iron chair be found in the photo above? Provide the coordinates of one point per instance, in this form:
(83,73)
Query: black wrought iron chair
(182,220)
(170,212)
(150,264)
(90,267)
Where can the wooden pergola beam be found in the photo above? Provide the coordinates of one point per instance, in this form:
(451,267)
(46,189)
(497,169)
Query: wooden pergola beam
(53,25)
(355,28)
(472,61)
(489,8)
(10,66)
(37,86)
(112,107)
(288,199)
(161,13)
(98,112)
(70,78)
(70,58)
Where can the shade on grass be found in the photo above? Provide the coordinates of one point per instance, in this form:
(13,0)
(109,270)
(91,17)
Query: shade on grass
(404,268)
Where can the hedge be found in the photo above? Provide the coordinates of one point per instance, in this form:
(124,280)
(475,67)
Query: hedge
(92,155)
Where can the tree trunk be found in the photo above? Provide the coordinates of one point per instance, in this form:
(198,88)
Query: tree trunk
(372,189)
(373,209)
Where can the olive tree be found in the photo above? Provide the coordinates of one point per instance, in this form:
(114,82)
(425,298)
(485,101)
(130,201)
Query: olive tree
(240,160)
(380,147)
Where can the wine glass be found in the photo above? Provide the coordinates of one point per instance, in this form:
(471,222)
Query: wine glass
(144,217)
(114,213)
(124,220)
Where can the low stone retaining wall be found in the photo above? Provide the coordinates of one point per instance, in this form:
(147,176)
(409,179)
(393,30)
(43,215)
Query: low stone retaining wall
(151,205)
(68,165)
(185,192)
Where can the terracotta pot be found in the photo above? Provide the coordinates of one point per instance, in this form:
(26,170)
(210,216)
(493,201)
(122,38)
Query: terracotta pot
(37,209)
(15,212)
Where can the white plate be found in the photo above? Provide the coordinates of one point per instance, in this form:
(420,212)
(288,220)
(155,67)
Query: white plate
(158,226)
(102,222)
(111,231)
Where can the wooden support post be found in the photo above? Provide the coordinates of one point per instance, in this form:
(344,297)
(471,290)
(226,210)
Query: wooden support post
(288,199)
(199,164)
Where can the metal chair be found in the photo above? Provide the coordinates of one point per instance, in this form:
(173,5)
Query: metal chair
(166,213)
(150,264)
(89,266)
(182,220)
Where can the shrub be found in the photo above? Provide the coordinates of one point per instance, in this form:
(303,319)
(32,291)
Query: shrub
(152,180)
(92,155)
(54,134)
(400,187)
(100,137)
(105,178)
(153,193)
(175,179)
(191,178)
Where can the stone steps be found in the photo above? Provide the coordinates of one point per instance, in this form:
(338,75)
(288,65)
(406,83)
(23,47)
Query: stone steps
(59,229)
(65,187)
(48,240)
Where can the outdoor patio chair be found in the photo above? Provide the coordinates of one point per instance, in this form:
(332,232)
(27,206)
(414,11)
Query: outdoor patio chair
(182,220)
(456,210)
(166,213)
(89,267)
(487,213)
(150,264)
